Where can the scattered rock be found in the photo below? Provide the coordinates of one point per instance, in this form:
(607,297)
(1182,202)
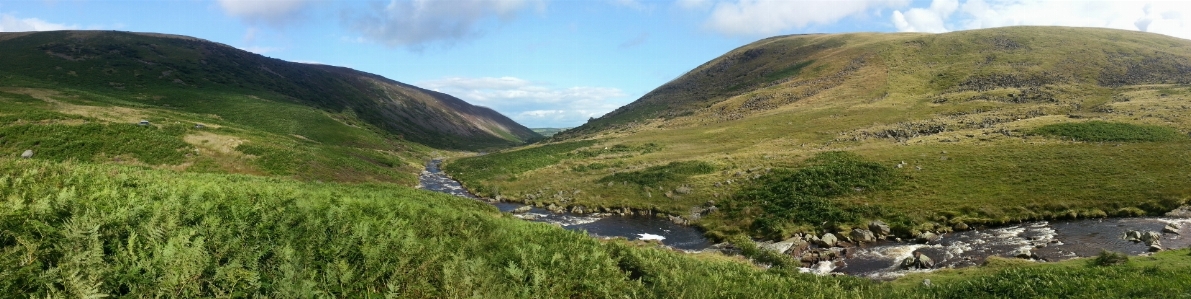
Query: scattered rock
(960,226)
(577,210)
(1150,237)
(927,237)
(27,154)
(828,240)
(1171,229)
(863,236)
(1133,236)
(918,261)
(521,210)
(1155,248)
(1181,212)
(1024,253)
(878,227)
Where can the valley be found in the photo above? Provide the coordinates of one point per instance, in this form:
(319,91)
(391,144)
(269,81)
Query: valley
(1007,162)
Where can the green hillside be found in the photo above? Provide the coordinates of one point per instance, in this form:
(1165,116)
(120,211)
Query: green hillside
(90,230)
(924,131)
(184,74)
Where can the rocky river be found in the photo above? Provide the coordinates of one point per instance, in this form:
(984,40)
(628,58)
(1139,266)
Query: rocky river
(886,258)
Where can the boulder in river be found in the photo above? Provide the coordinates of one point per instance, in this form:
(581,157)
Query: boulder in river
(879,228)
(1171,229)
(520,210)
(927,237)
(1150,237)
(828,240)
(960,226)
(27,154)
(918,261)
(863,236)
(1024,253)
(1133,236)
(1155,248)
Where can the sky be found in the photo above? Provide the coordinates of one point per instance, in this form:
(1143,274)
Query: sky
(554,63)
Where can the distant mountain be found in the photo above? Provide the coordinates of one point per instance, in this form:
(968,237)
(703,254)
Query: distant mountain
(160,69)
(547,132)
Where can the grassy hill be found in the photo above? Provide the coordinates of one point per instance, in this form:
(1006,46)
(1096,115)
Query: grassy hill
(547,132)
(925,131)
(185,74)
(84,230)
(78,95)
(277,196)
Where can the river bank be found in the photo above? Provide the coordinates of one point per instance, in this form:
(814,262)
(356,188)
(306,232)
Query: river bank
(871,253)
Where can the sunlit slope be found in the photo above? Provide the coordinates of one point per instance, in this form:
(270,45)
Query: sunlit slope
(194,75)
(981,127)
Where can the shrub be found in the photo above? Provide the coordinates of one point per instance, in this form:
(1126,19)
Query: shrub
(670,173)
(1108,131)
(1109,258)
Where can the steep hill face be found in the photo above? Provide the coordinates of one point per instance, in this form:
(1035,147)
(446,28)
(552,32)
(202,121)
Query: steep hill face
(778,71)
(176,70)
(925,131)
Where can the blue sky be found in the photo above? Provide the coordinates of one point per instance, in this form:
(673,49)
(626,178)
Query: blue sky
(554,63)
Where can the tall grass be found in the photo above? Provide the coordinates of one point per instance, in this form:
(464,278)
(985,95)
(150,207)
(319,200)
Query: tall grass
(83,230)
(1110,131)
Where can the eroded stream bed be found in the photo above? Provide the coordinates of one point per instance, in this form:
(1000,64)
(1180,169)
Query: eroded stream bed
(1045,240)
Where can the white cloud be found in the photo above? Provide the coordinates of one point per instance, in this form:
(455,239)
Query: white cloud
(273,12)
(768,17)
(530,103)
(10,23)
(925,19)
(417,23)
(1165,17)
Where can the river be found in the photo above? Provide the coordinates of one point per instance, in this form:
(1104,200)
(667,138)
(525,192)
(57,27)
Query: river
(1047,240)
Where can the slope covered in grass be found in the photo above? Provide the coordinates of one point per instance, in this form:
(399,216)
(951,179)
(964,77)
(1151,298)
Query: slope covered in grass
(188,74)
(983,127)
(87,230)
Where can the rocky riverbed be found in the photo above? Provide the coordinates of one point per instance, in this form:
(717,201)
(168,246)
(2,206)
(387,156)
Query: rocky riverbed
(873,252)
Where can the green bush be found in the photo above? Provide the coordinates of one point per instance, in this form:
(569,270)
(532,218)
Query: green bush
(1108,258)
(475,170)
(60,142)
(675,172)
(803,197)
(1109,131)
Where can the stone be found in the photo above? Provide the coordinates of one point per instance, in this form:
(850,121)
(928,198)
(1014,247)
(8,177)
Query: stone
(926,282)
(1133,236)
(960,226)
(908,263)
(1171,229)
(577,210)
(1024,253)
(1150,237)
(27,154)
(521,210)
(922,261)
(1155,248)
(1180,212)
(779,247)
(927,237)
(828,240)
(878,227)
(863,236)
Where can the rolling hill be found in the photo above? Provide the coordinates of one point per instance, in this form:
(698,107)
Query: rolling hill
(929,132)
(185,73)
(78,95)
